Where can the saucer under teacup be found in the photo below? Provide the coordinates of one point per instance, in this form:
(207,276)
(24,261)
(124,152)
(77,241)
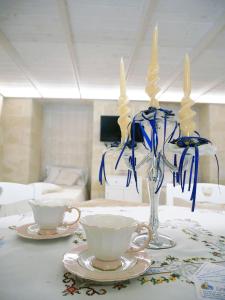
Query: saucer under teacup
(31,231)
(78,261)
(34,228)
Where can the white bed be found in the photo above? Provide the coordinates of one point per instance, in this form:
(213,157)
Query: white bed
(72,182)
(14,196)
(73,194)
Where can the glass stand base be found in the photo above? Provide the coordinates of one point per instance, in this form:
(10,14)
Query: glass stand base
(159,242)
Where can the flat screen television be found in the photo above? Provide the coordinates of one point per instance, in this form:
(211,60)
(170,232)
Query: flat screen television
(110,130)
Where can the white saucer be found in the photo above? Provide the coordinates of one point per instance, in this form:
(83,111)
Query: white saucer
(30,231)
(78,262)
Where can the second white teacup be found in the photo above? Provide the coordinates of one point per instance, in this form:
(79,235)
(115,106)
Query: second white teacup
(109,237)
(49,215)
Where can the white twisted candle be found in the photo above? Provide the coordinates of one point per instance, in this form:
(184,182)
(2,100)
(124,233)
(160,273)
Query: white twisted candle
(152,88)
(124,111)
(186,114)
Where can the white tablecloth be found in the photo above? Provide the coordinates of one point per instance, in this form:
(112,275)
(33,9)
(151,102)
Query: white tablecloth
(33,269)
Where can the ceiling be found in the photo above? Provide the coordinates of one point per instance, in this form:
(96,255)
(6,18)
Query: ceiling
(72,48)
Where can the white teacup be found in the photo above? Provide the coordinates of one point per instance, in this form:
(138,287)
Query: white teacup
(109,237)
(49,215)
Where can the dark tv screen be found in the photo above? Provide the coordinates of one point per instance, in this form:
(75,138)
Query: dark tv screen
(110,130)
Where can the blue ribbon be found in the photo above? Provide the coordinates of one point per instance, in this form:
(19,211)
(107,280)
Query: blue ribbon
(194,189)
(218,170)
(173,132)
(183,181)
(128,177)
(154,134)
(174,172)
(187,142)
(121,154)
(145,136)
(133,145)
(102,170)
(180,169)
(190,175)
(198,134)
(149,142)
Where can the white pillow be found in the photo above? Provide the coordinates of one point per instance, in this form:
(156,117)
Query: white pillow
(67,176)
(52,173)
(41,188)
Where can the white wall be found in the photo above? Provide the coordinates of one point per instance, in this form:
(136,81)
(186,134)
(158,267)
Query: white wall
(67,134)
(1,137)
(213,128)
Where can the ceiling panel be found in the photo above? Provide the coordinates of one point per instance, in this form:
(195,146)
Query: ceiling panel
(177,36)
(105,22)
(192,10)
(102,32)
(35,31)
(182,23)
(31,20)
(12,80)
(99,64)
(49,62)
(219,42)
(221,87)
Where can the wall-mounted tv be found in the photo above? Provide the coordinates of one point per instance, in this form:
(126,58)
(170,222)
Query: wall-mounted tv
(110,130)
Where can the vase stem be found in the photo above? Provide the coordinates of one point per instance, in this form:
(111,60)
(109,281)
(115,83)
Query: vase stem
(158,241)
(153,198)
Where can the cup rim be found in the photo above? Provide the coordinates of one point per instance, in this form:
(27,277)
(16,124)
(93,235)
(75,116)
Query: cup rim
(133,222)
(33,202)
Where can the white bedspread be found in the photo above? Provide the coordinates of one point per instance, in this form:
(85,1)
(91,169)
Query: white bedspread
(73,194)
(14,198)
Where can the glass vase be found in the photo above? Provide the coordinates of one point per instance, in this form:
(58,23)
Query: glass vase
(158,241)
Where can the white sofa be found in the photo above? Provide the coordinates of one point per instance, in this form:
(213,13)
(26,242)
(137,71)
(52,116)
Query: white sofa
(14,196)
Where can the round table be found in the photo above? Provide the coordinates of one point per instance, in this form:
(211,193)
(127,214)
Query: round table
(33,269)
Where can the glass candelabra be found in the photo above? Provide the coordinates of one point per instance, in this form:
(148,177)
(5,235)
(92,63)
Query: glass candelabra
(154,172)
(158,241)
(156,161)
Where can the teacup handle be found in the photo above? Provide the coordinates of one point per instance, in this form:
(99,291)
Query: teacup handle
(148,239)
(69,209)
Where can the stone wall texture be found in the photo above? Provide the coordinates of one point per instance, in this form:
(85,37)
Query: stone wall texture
(21,127)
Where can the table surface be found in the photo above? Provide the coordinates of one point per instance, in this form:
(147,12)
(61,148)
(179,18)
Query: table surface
(34,270)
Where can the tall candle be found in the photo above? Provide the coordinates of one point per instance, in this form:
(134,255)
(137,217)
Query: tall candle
(124,111)
(152,88)
(186,114)
(187,76)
